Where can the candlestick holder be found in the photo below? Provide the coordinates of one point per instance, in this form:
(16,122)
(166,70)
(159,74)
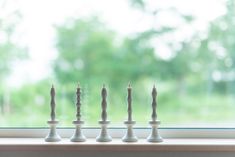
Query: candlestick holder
(78,135)
(129,136)
(52,135)
(104,136)
(154,136)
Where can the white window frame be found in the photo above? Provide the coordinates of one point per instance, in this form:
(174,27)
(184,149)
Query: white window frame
(119,132)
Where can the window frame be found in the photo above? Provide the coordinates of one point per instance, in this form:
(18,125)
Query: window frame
(92,132)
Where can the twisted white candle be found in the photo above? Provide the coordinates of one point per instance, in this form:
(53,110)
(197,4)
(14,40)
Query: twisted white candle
(78,104)
(154,103)
(104,104)
(129,101)
(53,104)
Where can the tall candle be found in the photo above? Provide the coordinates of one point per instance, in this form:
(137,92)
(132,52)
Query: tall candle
(78,104)
(154,103)
(129,101)
(104,103)
(52,103)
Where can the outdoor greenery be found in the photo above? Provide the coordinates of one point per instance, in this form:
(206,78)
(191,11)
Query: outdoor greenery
(196,84)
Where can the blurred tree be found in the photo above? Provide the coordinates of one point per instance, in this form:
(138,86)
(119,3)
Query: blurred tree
(9,50)
(84,49)
(216,52)
(179,66)
(88,53)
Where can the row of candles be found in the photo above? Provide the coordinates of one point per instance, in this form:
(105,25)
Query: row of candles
(104,137)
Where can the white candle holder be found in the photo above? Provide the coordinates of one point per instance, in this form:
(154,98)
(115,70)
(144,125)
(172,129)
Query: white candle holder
(129,136)
(104,136)
(52,135)
(78,135)
(154,136)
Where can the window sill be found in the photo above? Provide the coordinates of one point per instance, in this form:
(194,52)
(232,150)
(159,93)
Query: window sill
(183,145)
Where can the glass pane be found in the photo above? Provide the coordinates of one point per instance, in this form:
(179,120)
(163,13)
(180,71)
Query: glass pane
(184,47)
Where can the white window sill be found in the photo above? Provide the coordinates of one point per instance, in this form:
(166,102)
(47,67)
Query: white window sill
(183,145)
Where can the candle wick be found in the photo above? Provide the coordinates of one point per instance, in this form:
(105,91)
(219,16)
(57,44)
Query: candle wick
(78,85)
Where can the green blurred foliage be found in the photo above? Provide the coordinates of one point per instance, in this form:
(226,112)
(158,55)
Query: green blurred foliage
(10,52)
(195,86)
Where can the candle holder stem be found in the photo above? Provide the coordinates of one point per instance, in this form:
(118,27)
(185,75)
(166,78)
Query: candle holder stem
(104,136)
(154,136)
(52,135)
(78,135)
(129,136)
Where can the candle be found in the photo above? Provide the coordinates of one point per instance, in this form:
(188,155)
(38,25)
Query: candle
(52,103)
(154,103)
(78,104)
(104,103)
(129,101)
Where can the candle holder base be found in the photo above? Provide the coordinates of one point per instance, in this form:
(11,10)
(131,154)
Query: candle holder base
(154,137)
(129,136)
(104,136)
(78,135)
(52,135)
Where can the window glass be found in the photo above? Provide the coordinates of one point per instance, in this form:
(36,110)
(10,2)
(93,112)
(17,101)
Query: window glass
(186,48)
